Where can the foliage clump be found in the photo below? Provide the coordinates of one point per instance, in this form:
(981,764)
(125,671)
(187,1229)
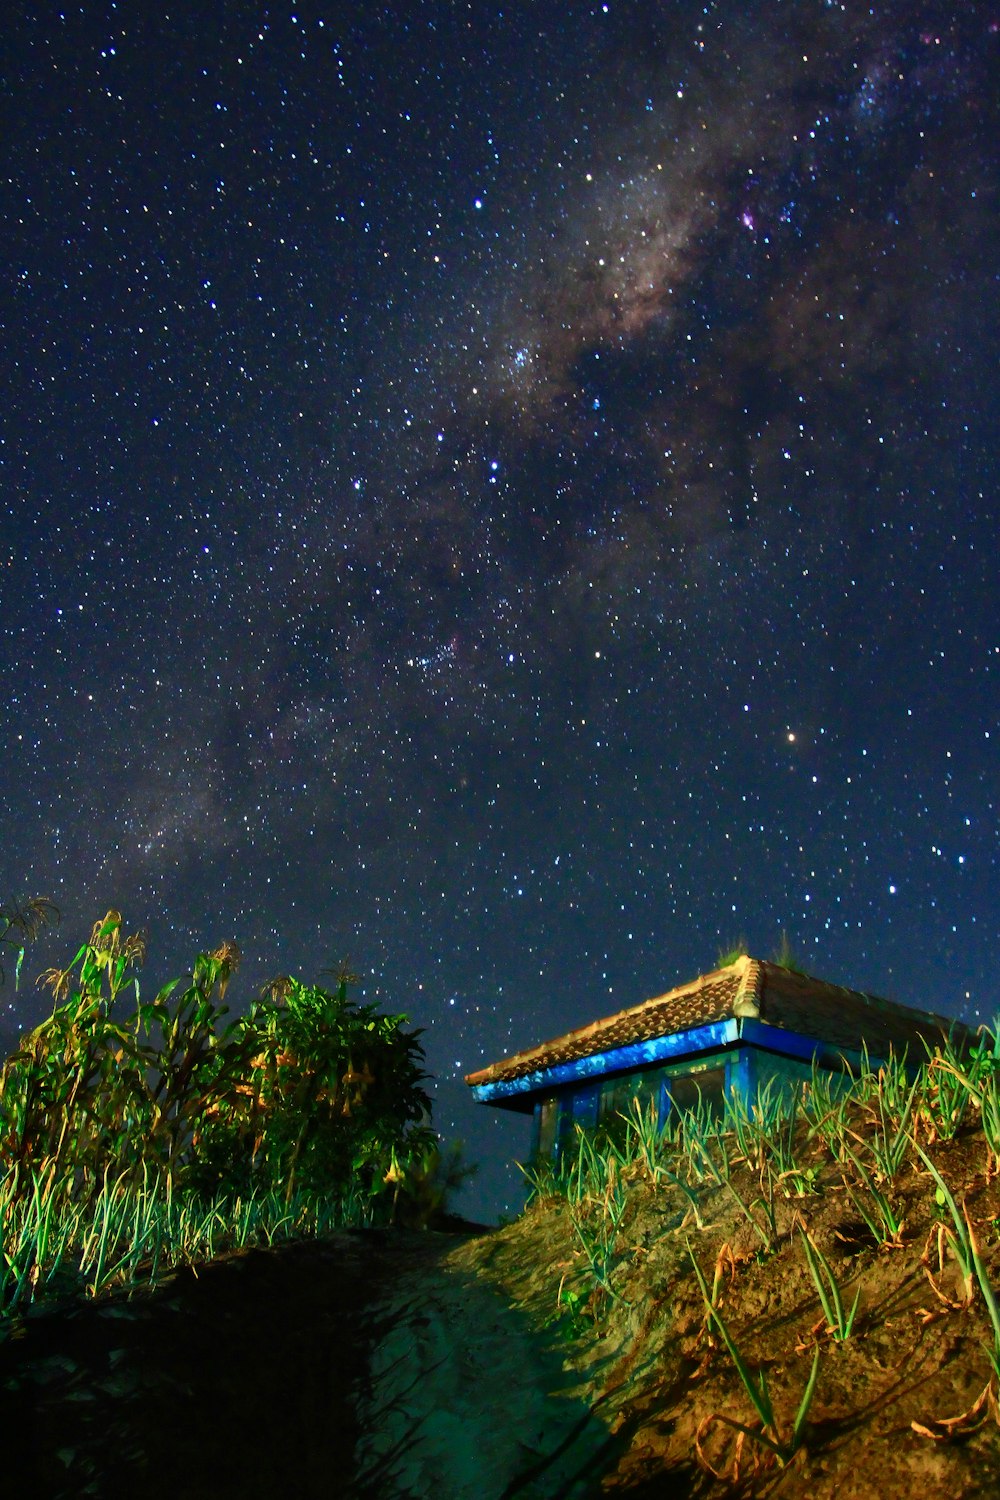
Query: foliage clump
(149,1117)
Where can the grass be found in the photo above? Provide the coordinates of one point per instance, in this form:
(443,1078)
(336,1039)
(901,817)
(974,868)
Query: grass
(132,1141)
(839,1324)
(836,1168)
(130,1234)
(770,1434)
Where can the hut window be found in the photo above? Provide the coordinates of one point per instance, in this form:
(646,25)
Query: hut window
(685,1089)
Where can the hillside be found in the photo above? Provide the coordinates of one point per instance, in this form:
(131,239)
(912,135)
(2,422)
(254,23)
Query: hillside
(897,1405)
(575,1352)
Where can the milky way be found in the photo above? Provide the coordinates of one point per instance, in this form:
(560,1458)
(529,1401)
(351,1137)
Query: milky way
(508,495)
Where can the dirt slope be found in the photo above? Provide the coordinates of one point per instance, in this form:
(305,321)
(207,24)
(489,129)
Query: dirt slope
(368,1365)
(880,1423)
(464,1398)
(406,1366)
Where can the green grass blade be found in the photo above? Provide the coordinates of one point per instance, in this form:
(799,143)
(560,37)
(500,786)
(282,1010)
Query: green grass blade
(756,1388)
(801,1416)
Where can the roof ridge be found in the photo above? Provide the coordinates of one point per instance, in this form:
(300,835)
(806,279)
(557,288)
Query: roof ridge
(746,1001)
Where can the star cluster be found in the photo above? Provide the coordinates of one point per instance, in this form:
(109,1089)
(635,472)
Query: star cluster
(506,494)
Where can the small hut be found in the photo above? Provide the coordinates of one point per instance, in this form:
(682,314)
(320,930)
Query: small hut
(727,1032)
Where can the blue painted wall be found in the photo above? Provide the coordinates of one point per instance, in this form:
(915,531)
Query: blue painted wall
(715,1062)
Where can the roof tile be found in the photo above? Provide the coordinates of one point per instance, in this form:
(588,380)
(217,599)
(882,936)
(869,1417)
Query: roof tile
(836,1017)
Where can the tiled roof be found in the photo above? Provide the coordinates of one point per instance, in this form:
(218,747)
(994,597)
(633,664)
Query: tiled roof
(837,1018)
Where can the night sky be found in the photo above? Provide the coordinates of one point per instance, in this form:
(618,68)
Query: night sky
(507,495)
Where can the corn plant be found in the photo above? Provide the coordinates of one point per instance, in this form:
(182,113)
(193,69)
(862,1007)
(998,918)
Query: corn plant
(194,1071)
(21,923)
(64,1095)
(326,1073)
(132,1142)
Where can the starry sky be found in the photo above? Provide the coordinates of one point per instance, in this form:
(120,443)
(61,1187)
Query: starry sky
(505,493)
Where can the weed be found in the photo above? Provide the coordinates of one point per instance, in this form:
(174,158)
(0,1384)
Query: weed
(786,956)
(729,954)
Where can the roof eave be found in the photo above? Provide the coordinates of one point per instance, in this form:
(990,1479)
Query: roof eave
(714,1035)
(594,1028)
